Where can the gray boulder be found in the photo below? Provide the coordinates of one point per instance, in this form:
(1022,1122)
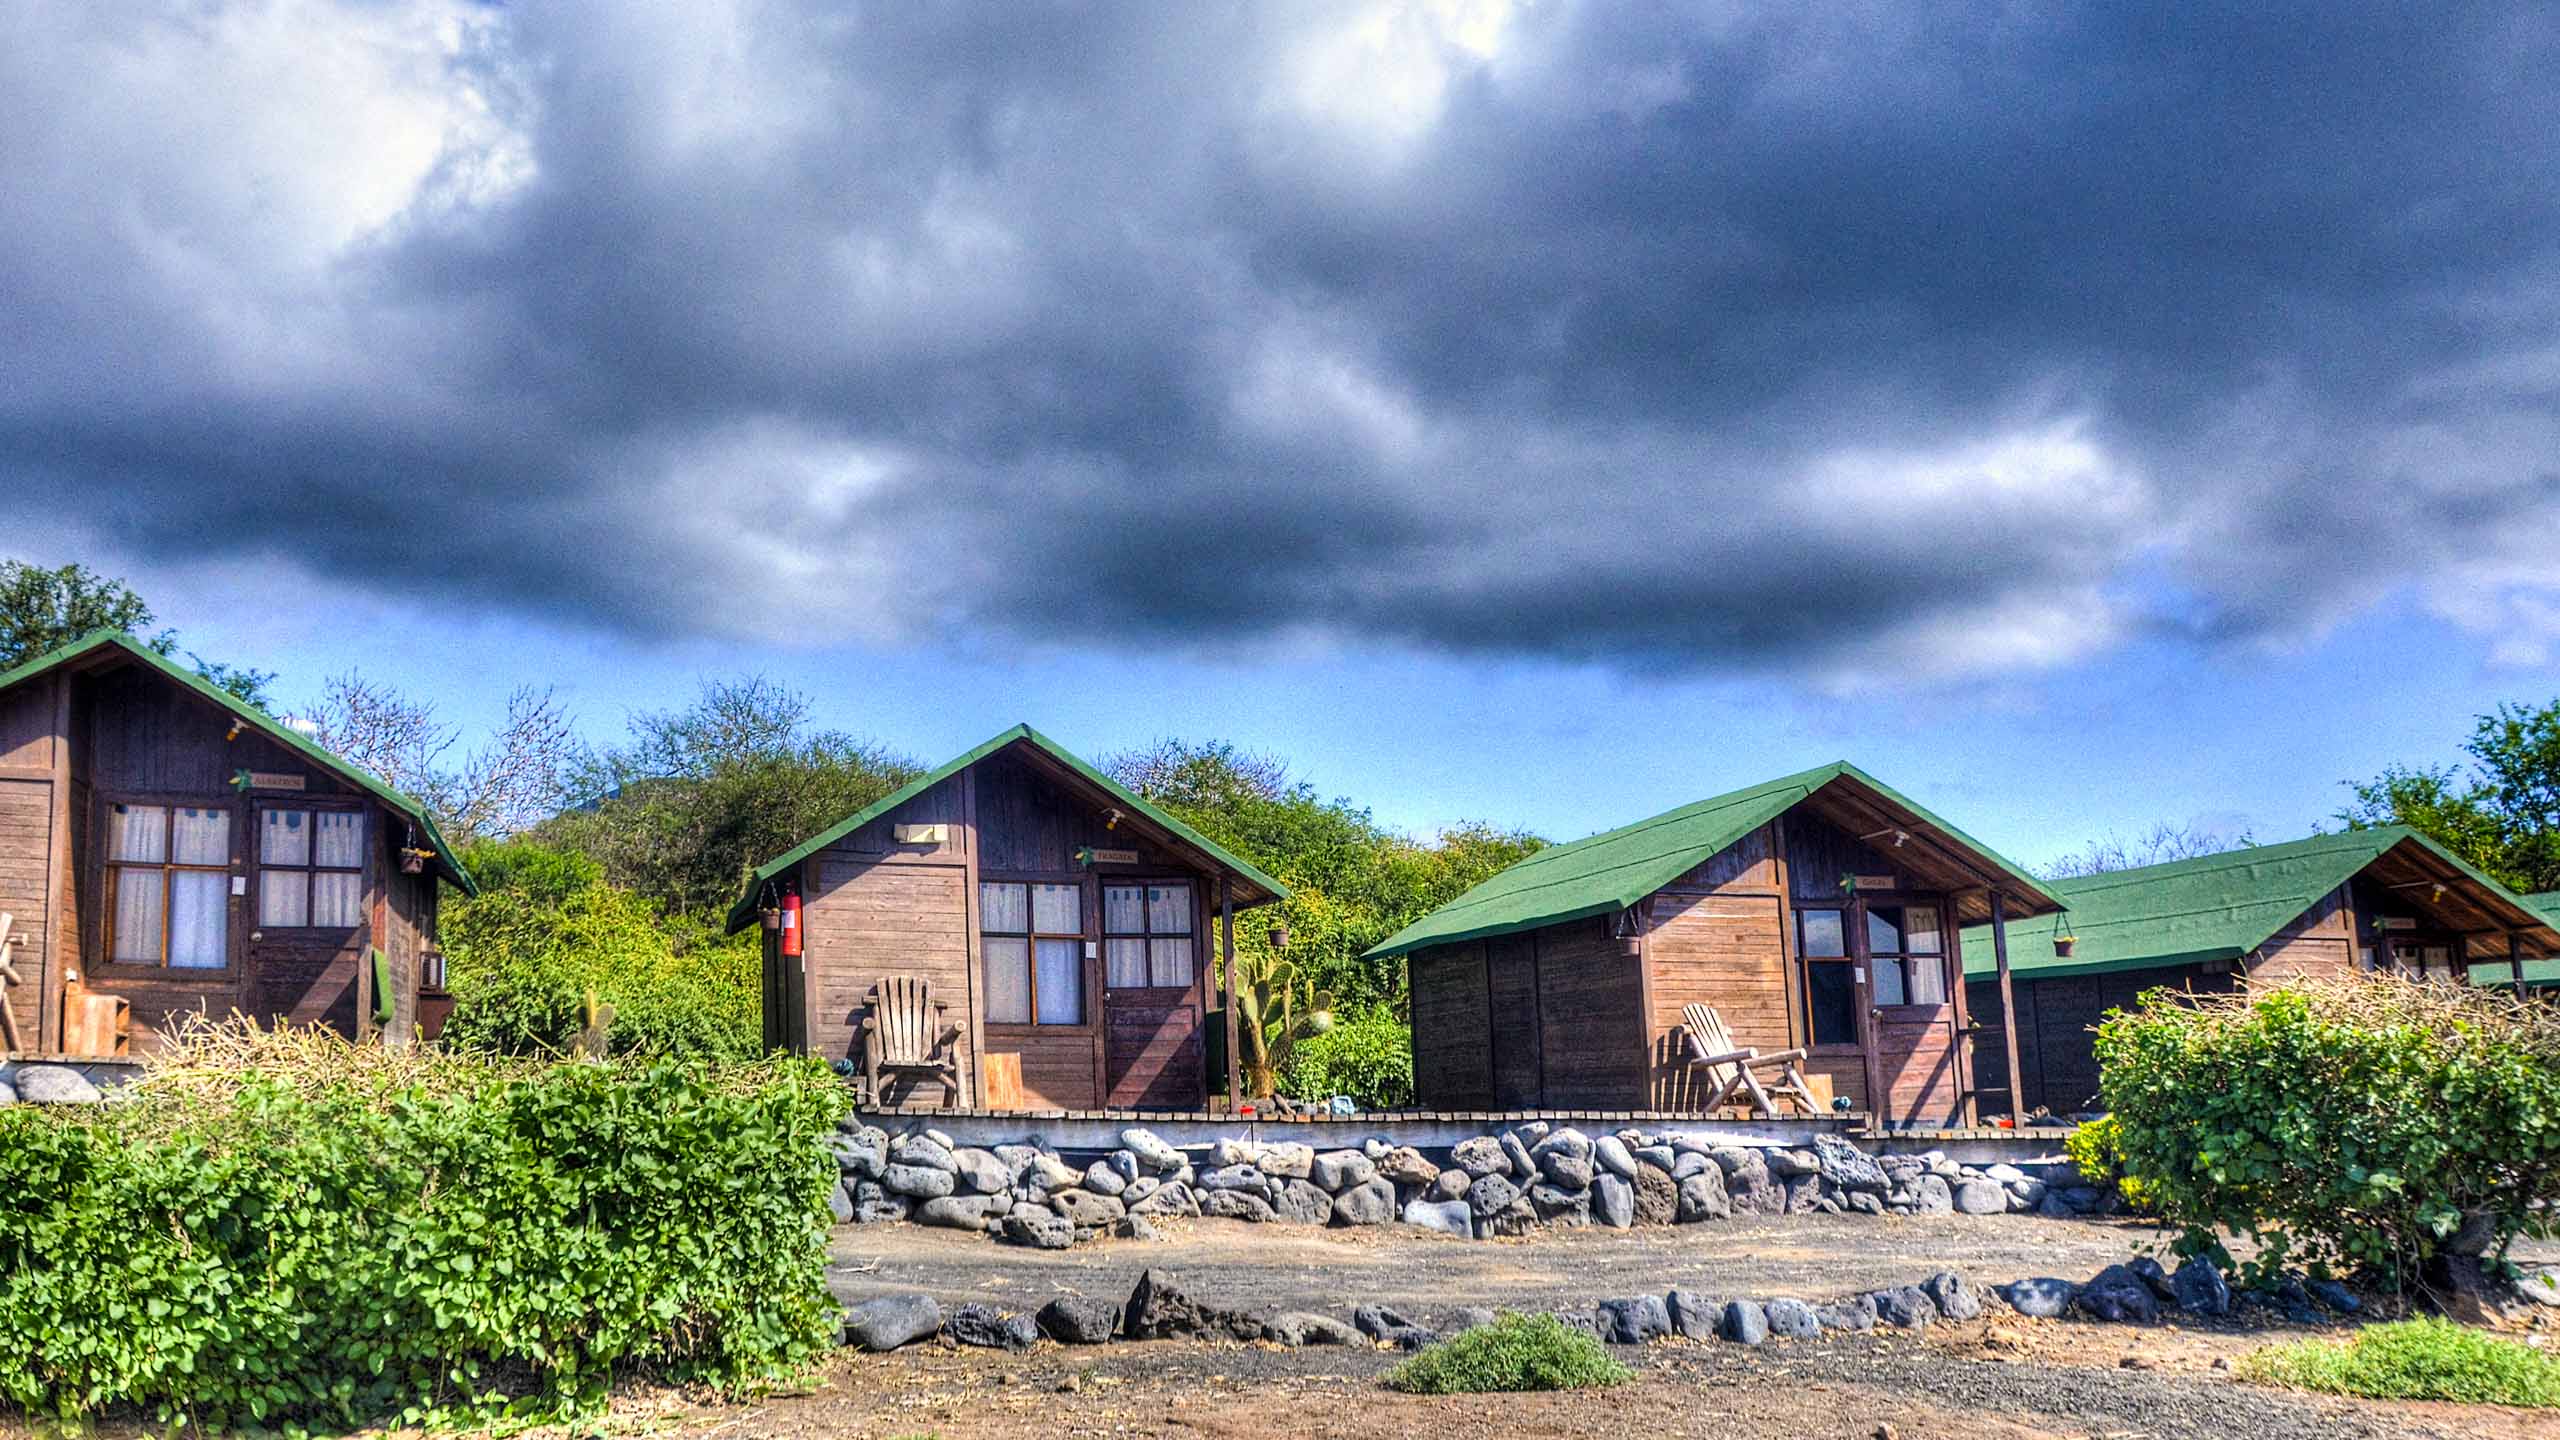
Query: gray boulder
(1660,1157)
(1745,1322)
(1926,1194)
(875,1206)
(1702,1197)
(1237,1205)
(1686,1163)
(2120,1295)
(1612,1155)
(1657,1198)
(1288,1160)
(1342,1169)
(1047,1172)
(1491,1195)
(1018,1157)
(55,1085)
(1954,1298)
(1074,1320)
(1855,1313)
(1748,1185)
(840,1205)
(1085,1210)
(1846,1166)
(1301,1202)
(1692,1315)
(1150,1149)
(2005,1173)
(1804,1194)
(1404,1165)
(2042,1298)
(1632,1321)
(1168,1199)
(1135,1227)
(861,1153)
(2336,1296)
(1370,1203)
(1479,1157)
(2542,1287)
(1452,1185)
(2148,1271)
(981,1172)
(1519,1219)
(1793,1319)
(1296,1328)
(1566,1140)
(1388,1327)
(891,1321)
(1565,1172)
(1556,1205)
(1102,1179)
(1040,1229)
(2199,1288)
(1522,1168)
(1227,1150)
(1907,1306)
(1613,1202)
(922,1152)
(1246,1178)
(1159,1310)
(1862,1202)
(1449,1217)
(988,1328)
(1980,1197)
(918,1182)
(955,1212)
(1789,1164)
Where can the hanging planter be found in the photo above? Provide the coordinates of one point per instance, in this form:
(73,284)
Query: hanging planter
(413,861)
(2062,945)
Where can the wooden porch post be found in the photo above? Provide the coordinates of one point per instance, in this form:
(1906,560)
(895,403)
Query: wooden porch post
(2008,1009)
(1227,944)
(2515,961)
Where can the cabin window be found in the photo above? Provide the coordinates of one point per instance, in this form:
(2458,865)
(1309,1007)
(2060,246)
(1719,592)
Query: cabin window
(1032,942)
(1146,937)
(1907,954)
(169,881)
(1830,977)
(310,869)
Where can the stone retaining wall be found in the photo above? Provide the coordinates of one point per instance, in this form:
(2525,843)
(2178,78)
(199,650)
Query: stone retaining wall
(1520,1180)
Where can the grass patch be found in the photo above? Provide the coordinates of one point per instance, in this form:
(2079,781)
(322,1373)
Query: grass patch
(2424,1359)
(1515,1352)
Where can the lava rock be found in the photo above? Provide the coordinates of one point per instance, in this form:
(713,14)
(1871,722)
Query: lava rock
(1151,1149)
(955,1212)
(1085,1210)
(1491,1195)
(1102,1179)
(1660,1157)
(1449,1217)
(2336,1296)
(891,1321)
(1632,1321)
(2118,1294)
(55,1085)
(1855,1313)
(840,1205)
(1237,1205)
(1907,1306)
(1613,1202)
(1040,1229)
(1480,1157)
(1342,1169)
(1074,1320)
(1168,1199)
(1296,1328)
(923,1152)
(2199,1288)
(863,1154)
(1611,1154)
(1288,1160)
(1404,1165)
(2042,1298)
(918,1182)
(1452,1185)
(1954,1298)
(2148,1271)
(1246,1178)
(1556,1205)
(1391,1328)
(1702,1196)
(1369,1203)
(1523,1168)
(1980,1197)
(1047,1172)
(1789,1164)
(1927,1195)
(1693,1315)
(1804,1194)
(980,1172)
(1846,1166)
(1160,1310)
(1227,1150)
(1301,1202)
(1519,1219)
(989,1328)
(1793,1319)
(1657,1197)
(1565,1172)
(1745,1322)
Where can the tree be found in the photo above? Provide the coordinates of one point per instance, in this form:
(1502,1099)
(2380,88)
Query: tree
(2162,844)
(43,610)
(513,783)
(696,798)
(2500,811)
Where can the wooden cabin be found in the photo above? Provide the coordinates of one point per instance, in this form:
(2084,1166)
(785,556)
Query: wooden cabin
(166,848)
(1070,930)
(2385,899)
(1820,911)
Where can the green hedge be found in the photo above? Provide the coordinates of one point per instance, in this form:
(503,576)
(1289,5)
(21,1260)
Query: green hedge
(440,1241)
(2367,1125)
(1368,1057)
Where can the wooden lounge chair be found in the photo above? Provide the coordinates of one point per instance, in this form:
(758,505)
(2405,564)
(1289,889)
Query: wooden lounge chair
(9,1038)
(904,1032)
(1731,1065)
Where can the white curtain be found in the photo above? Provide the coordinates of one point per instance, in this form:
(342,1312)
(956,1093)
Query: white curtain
(1057,909)
(1008,979)
(138,833)
(1172,961)
(1061,982)
(139,913)
(199,917)
(1004,907)
(337,839)
(284,898)
(284,837)
(201,837)
(1169,909)
(1124,963)
(1124,910)
(337,897)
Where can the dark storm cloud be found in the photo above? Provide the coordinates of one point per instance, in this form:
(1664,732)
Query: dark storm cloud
(1834,340)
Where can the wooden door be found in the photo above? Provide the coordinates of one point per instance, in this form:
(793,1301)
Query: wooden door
(1154,952)
(1907,962)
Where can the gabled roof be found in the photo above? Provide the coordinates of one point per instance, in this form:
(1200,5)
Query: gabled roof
(2537,973)
(2223,906)
(258,719)
(1260,888)
(1615,869)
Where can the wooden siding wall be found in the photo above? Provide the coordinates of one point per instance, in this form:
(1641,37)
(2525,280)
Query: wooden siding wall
(1564,1032)
(1716,936)
(1453,1043)
(872,908)
(32,757)
(2320,944)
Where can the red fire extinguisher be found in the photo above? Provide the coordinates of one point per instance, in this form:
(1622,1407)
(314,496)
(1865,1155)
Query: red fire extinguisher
(791,923)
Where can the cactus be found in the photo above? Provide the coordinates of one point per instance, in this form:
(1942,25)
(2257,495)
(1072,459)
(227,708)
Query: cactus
(1274,1013)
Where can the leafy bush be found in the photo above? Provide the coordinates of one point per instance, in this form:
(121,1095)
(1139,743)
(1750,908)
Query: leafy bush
(2423,1359)
(2097,1151)
(1368,1057)
(330,1234)
(2368,1124)
(1515,1352)
(547,928)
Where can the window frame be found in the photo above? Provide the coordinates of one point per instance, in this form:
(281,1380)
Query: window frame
(1031,939)
(1191,916)
(259,808)
(1904,958)
(1848,958)
(109,880)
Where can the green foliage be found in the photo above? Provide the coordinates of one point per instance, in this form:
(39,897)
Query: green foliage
(1354,881)
(42,610)
(697,798)
(412,1240)
(1516,1352)
(1367,1056)
(2362,1125)
(2422,1359)
(547,930)
(2097,1150)
(2501,812)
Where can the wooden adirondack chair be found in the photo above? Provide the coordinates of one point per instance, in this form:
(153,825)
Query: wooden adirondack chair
(1711,1045)
(903,1031)
(10,1041)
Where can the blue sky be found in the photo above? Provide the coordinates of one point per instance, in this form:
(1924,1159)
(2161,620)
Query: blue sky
(2084,416)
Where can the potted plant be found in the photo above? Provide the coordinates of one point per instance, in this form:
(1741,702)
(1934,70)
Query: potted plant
(2063,942)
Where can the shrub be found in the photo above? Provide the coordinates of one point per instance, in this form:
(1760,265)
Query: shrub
(546,929)
(1368,1056)
(2096,1149)
(2369,1124)
(1515,1352)
(2423,1359)
(330,1234)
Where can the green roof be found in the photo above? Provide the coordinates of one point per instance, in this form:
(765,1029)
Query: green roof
(2545,903)
(1613,870)
(2184,912)
(266,724)
(745,909)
